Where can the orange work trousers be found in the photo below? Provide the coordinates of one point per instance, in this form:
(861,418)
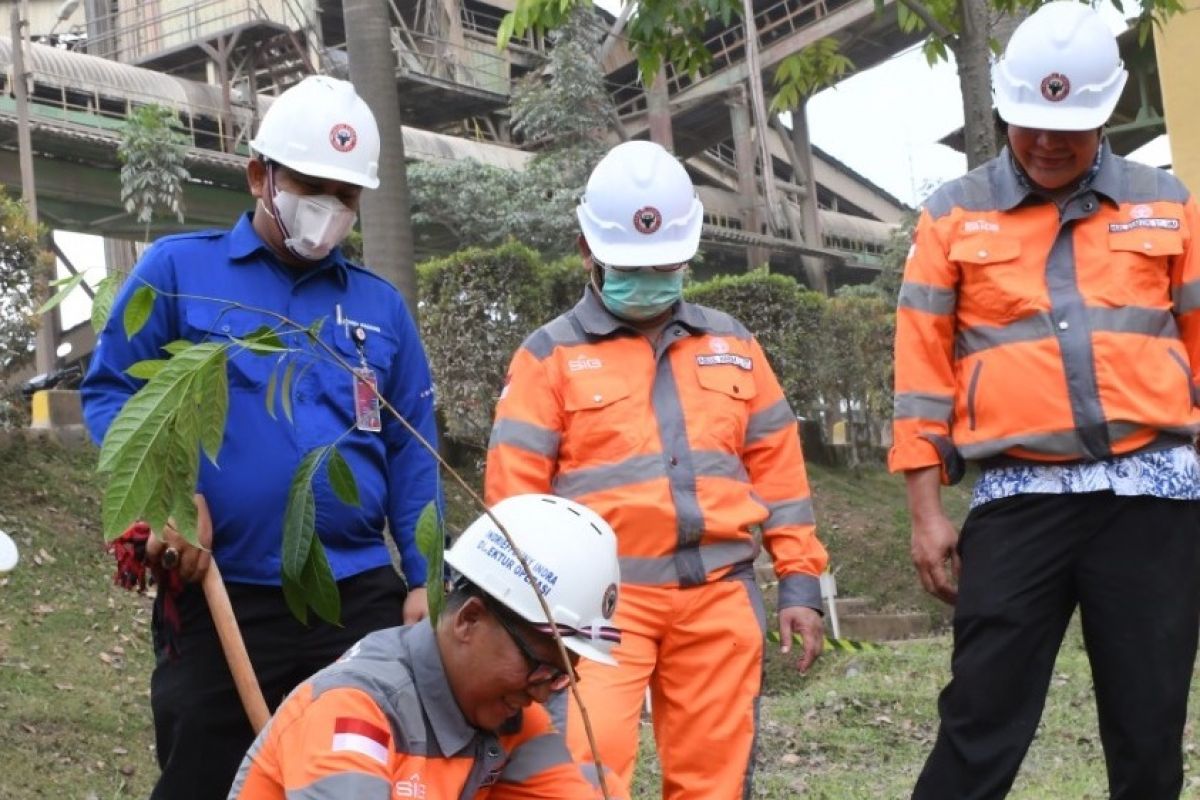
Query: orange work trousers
(700,650)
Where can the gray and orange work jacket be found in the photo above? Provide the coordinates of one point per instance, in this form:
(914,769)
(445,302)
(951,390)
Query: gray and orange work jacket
(1030,332)
(381,723)
(686,447)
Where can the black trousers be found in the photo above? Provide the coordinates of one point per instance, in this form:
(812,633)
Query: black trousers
(1132,566)
(200,728)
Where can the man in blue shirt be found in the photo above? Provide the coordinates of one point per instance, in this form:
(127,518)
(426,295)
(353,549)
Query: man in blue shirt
(317,148)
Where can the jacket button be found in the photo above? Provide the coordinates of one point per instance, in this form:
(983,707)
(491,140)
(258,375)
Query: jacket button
(736,390)
(674,461)
(1089,205)
(1148,245)
(1062,326)
(983,253)
(597,398)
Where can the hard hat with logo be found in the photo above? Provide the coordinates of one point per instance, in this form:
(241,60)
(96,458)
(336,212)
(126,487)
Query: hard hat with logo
(321,127)
(572,552)
(640,208)
(1061,70)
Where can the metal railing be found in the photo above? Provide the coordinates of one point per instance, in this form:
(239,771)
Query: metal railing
(728,46)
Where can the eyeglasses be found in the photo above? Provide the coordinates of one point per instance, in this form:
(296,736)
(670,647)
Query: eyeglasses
(656,268)
(541,673)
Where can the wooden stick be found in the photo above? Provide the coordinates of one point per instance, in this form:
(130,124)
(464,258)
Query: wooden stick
(234,648)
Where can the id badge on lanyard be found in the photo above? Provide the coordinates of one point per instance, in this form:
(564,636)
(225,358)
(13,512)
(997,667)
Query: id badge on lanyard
(366,399)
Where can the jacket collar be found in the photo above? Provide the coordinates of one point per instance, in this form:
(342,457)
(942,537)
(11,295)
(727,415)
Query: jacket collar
(1013,187)
(597,320)
(244,242)
(450,727)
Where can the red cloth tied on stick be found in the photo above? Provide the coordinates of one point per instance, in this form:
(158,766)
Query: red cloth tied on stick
(129,549)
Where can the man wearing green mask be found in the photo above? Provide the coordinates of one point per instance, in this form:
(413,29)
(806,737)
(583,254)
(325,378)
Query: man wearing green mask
(665,418)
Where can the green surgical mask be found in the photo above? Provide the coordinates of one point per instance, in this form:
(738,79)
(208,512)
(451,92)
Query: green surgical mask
(641,294)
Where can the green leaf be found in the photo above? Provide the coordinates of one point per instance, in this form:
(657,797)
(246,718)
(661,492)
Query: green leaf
(431,541)
(137,452)
(285,391)
(178,346)
(262,341)
(293,595)
(137,311)
(341,478)
(313,331)
(102,303)
(269,395)
(320,589)
(145,370)
(68,285)
(299,517)
(212,405)
(505,32)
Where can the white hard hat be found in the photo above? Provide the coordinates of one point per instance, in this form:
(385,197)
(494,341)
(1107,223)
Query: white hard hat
(1061,70)
(322,128)
(573,554)
(640,208)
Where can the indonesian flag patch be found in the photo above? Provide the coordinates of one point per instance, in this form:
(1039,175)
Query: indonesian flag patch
(360,736)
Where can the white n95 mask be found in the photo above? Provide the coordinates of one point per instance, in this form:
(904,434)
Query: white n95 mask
(312,225)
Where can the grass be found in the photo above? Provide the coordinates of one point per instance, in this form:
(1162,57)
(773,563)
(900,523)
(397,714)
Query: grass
(75,660)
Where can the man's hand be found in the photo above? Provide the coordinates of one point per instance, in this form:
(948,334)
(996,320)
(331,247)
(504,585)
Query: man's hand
(935,555)
(172,551)
(809,625)
(416,605)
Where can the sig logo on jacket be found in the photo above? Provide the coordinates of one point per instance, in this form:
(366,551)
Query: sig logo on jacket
(584,363)
(413,786)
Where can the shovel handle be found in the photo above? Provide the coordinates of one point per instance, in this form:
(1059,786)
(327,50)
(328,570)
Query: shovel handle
(234,648)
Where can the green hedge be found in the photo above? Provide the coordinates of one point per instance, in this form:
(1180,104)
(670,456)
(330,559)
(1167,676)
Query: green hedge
(478,305)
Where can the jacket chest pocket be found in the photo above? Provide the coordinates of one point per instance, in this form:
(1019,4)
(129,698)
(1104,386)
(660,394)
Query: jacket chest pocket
(603,423)
(210,322)
(723,408)
(1138,272)
(994,280)
(333,381)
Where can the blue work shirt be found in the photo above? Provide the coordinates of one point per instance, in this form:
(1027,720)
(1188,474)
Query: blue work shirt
(247,490)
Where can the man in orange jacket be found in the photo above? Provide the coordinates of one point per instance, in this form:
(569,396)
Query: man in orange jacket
(453,711)
(1049,329)
(666,418)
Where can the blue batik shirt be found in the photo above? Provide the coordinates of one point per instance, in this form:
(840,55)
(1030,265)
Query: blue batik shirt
(1173,474)
(247,489)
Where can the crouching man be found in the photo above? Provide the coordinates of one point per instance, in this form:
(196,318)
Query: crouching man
(454,710)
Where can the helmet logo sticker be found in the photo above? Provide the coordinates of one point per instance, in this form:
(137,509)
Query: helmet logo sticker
(609,604)
(343,138)
(647,219)
(1056,87)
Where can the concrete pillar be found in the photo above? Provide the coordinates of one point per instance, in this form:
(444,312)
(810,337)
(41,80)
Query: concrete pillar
(810,224)
(1175,44)
(743,157)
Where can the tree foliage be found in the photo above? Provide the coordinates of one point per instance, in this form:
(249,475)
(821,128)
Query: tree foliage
(152,170)
(477,306)
(21,256)
(564,112)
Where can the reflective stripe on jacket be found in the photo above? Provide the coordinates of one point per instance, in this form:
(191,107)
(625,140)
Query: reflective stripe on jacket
(685,448)
(382,723)
(1035,334)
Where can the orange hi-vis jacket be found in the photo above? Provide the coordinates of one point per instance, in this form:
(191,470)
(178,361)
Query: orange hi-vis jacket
(381,723)
(685,448)
(1032,333)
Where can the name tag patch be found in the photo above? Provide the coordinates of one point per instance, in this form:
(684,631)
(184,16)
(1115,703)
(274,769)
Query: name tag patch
(1146,222)
(719,359)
